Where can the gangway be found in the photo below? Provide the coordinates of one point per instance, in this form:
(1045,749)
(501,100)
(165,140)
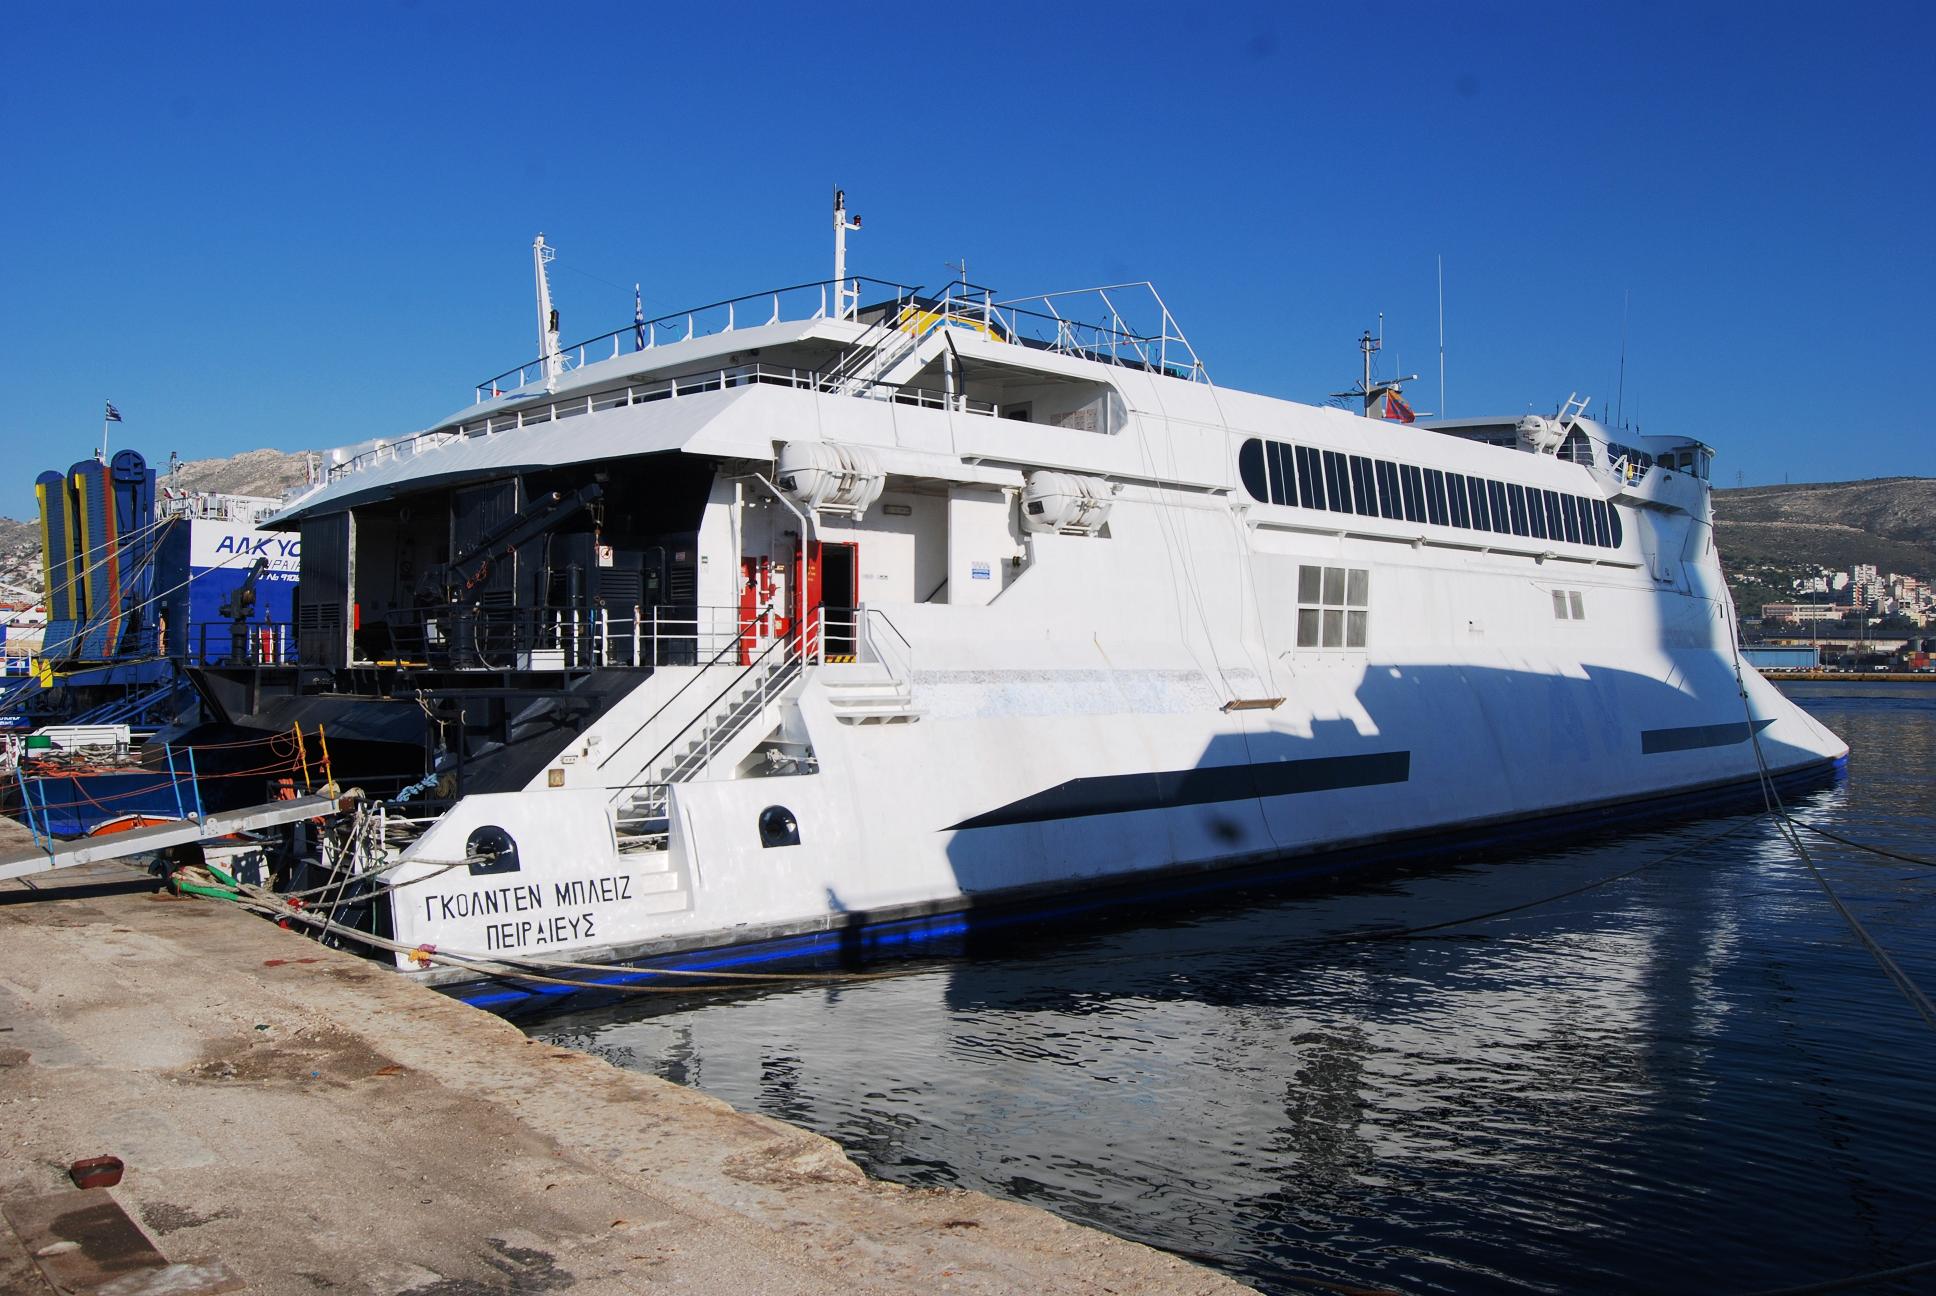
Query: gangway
(177,832)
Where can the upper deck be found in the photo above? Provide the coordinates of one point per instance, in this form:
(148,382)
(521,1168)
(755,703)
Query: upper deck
(1035,360)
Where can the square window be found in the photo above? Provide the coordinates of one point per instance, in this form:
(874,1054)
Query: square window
(1559,604)
(1579,605)
(1307,627)
(1354,629)
(1357,587)
(1334,587)
(1309,584)
(1333,629)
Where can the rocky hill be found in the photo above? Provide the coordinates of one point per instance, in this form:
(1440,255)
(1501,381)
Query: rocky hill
(1889,521)
(253,472)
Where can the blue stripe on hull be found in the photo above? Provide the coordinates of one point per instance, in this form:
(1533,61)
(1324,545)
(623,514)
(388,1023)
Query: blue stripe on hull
(891,937)
(1695,737)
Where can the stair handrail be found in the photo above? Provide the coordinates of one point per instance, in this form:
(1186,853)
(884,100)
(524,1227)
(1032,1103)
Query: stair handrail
(904,677)
(732,645)
(734,718)
(805,640)
(845,365)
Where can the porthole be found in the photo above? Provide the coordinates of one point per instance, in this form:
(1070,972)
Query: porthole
(491,850)
(778,827)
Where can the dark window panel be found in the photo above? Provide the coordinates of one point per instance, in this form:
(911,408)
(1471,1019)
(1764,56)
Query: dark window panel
(1455,495)
(1250,468)
(1388,503)
(1364,492)
(1414,482)
(1435,512)
(1310,478)
(1337,482)
(1613,522)
(1570,516)
(1475,493)
(1282,479)
(1501,514)
(1600,529)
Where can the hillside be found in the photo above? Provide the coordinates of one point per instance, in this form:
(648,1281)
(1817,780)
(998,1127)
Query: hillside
(1889,521)
(253,472)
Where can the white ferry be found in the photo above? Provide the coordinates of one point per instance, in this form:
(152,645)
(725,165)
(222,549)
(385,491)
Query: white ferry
(818,619)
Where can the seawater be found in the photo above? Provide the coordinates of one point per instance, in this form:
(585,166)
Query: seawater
(1690,1079)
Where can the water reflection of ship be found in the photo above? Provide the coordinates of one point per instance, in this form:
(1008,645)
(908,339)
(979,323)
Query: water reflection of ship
(1228,1082)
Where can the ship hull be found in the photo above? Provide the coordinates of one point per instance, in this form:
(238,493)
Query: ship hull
(1031,914)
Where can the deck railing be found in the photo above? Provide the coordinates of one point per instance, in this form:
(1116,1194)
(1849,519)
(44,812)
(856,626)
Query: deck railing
(637,393)
(755,309)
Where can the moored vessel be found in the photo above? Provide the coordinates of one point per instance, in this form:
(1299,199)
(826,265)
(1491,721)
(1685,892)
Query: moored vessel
(839,614)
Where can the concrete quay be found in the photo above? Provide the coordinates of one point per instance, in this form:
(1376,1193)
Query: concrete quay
(296,1120)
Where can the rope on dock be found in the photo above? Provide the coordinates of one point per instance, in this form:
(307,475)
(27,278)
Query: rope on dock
(271,904)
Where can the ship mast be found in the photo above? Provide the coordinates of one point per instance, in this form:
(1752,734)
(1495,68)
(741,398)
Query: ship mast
(845,302)
(554,364)
(1370,394)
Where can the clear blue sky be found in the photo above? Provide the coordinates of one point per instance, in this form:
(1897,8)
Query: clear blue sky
(303,225)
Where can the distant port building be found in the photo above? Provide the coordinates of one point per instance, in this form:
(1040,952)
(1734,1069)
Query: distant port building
(1804,612)
(1767,657)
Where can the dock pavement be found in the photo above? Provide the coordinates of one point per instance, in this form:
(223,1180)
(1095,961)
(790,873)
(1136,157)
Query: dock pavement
(296,1120)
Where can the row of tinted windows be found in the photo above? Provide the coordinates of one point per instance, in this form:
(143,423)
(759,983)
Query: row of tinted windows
(1305,477)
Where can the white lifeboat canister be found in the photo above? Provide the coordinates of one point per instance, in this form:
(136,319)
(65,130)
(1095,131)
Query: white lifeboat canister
(1065,503)
(827,477)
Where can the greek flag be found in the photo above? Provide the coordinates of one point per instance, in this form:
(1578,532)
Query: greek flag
(638,320)
(114,415)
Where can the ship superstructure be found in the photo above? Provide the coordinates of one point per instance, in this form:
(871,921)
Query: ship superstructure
(850,607)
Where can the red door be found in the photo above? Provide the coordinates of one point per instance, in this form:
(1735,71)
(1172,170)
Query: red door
(755,605)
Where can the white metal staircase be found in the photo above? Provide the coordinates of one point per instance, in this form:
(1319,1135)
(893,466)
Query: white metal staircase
(745,713)
(724,731)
